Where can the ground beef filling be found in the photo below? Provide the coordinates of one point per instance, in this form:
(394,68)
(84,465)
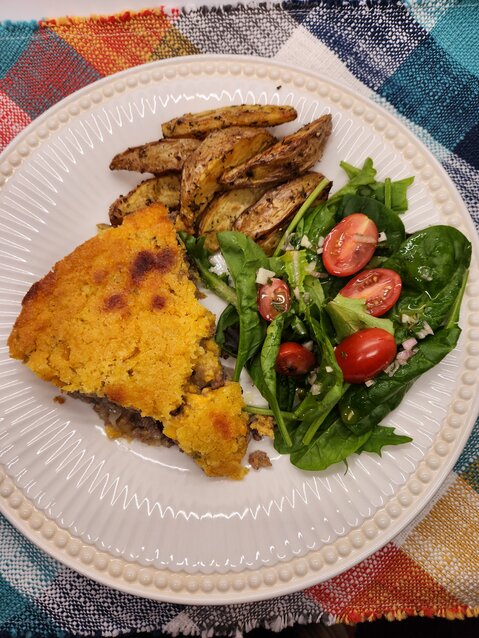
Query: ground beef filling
(124,422)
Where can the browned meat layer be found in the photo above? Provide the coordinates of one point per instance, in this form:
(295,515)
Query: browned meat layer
(122,422)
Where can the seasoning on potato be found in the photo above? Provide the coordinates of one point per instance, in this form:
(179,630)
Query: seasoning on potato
(293,155)
(164,189)
(224,210)
(277,205)
(203,169)
(201,124)
(157,157)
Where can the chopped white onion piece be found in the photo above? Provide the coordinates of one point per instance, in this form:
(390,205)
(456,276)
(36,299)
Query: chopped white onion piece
(310,267)
(407,319)
(218,264)
(391,369)
(409,343)
(305,243)
(320,250)
(316,389)
(311,378)
(403,356)
(320,241)
(308,345)
(263,275)
(369,383)
(426,330)
(382,237)
(328,369)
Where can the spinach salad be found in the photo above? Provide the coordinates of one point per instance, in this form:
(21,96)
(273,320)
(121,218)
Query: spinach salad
(339,322)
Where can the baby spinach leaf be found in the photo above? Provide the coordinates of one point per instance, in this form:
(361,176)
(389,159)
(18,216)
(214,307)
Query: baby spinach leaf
(269,352)
(227,331)
(357,177)
(318,222)
(314,293)
(380,437)
(398,193)
(286,392)
(295,266)
(349,315)
(428,259)
(385,219)
(200,257)
(256,374)
(422,307)
(329,377)
(333,445)
(243,258)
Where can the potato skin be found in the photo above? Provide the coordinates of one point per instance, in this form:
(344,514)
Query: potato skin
(224,210)
(199,125)
(277,205)
(164,189)
(221,150)
(269,242)
(293,155)
(157,157)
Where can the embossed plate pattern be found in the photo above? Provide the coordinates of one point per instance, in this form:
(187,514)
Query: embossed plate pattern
(146,520)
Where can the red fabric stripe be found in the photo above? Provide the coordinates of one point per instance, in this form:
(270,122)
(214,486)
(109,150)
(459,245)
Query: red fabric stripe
(387,583)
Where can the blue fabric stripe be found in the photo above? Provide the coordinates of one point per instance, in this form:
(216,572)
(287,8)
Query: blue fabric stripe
(370,40)
(463,19)
(12,604)
(468,147)
(435,92)
(14,39)
(467,464)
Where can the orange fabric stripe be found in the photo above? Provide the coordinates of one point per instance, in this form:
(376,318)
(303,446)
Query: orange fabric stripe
(390,584)
(114,43)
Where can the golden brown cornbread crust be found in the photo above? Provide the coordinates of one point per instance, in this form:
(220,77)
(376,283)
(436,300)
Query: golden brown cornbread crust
(212,429)
(119,318)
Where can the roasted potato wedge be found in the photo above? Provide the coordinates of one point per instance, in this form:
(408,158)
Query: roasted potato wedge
(221,150)
(224,210)
(200,124)
(157,157)
(293,155)
(164,189)
(277,205)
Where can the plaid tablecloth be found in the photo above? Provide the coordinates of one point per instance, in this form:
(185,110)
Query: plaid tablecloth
(420,59)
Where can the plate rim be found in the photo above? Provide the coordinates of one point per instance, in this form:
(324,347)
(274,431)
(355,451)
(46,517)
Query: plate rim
(263,582)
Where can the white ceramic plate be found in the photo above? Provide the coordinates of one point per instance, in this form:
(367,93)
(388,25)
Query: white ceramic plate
(146,520)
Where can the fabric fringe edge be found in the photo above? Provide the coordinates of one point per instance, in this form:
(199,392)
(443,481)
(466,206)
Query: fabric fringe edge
(185,626)
(459,612)
(220,6)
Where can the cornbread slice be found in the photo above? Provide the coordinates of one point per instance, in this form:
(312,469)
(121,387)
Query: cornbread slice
(208,428)
(118,319)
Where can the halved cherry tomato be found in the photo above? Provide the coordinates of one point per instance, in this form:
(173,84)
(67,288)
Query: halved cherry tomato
(365,354)
(350,245)
(294,359)
(273,299)
(379,287)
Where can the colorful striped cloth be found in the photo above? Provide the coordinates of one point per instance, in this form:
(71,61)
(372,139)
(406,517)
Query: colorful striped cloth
(419,59)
